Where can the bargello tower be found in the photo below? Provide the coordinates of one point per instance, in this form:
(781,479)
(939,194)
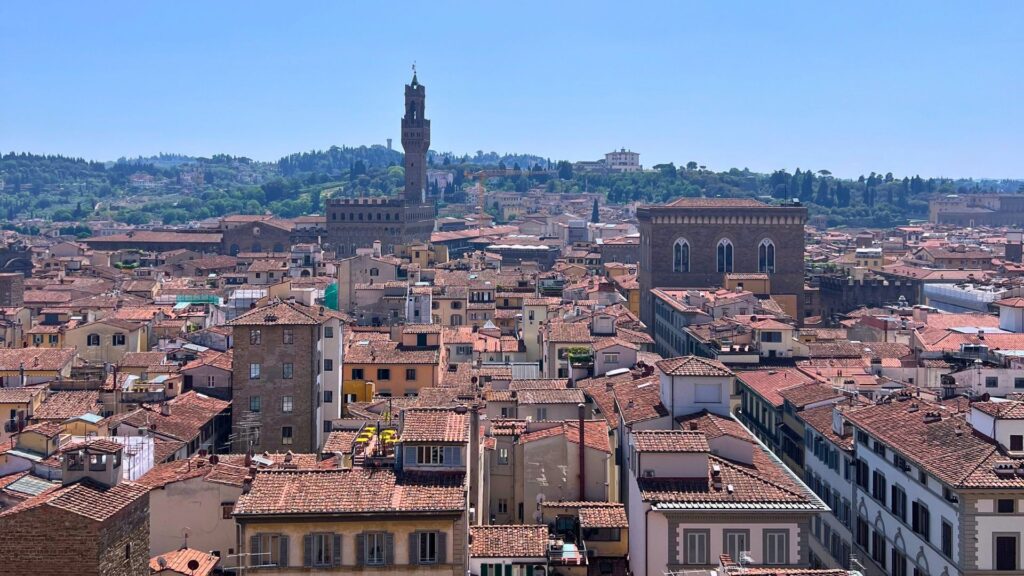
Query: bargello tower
(415,141)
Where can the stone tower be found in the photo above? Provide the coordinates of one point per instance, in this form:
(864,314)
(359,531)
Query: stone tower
(415,141)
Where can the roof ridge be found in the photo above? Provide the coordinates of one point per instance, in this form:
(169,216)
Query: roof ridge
(745,472)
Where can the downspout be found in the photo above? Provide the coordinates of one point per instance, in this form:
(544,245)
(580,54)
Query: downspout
(647,540)
(582,453)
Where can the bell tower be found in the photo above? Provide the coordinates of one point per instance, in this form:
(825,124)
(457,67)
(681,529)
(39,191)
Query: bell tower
(415,141)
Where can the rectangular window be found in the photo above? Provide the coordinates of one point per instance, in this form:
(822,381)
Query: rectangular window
(776,547)
(410,374)
(287,370)
(502,455)
(254,404)
(255,336)
(861,536)
(1006,506)
(430,455)
(254,371)
(328,396)
(899,502)
(947,539)
(899,563)
(1006,551)
(286,404)
(696,547)
(119,339)
(374,548)
(736,541)
(878,486)
(878,548)
(269,550)
(328,365)
(1018,383)
(288,336)
(328,331)
(921,520)
(1017,442)
(991,381)
(502,505)
(542,413)
(211,381)
(286,435)
(383,374)
(322,553)
(611,358)
(357,374)
(428,547)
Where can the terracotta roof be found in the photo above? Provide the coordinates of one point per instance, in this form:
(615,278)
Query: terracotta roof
(820,419)
(19,395)
(763,485)
(639,400)
(86,499)
(143,236)
(361,350)
(177,561)
(768,383)
(142,359)
(806,394)
(339,441)
(596,436)
(569,332)
(222,360)
(354,491)
(1008,410)
(279,314)
(1016,302)
(551,396)
(539,384)
(717,203)
(36,359)
(604,516)
(434,425)
(946,447)
(510,541)
(714,426)
(693,366)
(48,429)
(68,404)
(189,413)
(670,441)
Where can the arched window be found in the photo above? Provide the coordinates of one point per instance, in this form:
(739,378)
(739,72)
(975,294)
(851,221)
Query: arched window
(681,256)
(92,340)
(725,255)
(766,256)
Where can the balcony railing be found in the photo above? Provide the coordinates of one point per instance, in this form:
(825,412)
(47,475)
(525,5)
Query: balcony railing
(567,554)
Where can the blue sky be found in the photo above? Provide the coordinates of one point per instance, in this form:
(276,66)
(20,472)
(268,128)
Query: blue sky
(933,88)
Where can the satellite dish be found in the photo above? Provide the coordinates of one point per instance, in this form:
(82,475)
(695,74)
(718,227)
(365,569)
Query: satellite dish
(193,565)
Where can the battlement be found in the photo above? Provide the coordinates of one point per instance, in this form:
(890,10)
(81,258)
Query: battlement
(384,201)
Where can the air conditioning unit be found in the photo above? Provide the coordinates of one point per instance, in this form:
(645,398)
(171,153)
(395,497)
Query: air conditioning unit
(648,473)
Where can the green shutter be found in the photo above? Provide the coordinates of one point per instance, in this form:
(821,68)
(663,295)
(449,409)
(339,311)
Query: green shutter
(389,548)
(284,551)
(360,549)
(442,547)
(307,550)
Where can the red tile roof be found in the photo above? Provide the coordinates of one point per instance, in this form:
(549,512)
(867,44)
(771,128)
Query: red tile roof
(36,359)
(68,404)
(670,441)
(434,425)
(693,366)
(596,433)
(86,499)
(177,561)
(511,541)
(280,314)
(189,412)
(768,383)
(807,394)
(1008,410)
(610,516)
(551,396)
(354,491)
(717,203)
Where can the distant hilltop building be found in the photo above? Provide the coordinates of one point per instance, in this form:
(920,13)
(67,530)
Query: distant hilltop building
(354,223)
(621,160)
(978,210)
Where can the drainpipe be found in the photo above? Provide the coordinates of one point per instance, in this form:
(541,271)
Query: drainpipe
(583,453)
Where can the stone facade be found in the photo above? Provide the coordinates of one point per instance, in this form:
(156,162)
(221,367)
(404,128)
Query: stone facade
(48,541)
(356,222)
(703,223)
(12,289)
(260,236)
(271,387)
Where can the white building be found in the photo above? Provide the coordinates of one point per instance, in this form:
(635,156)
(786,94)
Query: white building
(623,161)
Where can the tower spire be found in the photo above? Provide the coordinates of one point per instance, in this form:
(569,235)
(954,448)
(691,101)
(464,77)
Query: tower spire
(414,80)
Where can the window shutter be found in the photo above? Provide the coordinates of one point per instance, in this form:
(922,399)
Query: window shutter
(360,549)
(410,455)
(307,550)
(336,550)
(284,551)
(483,569)
(389,548)
(254,551)
(456,456)
(915,511)
(508,570)
(414,548)
(442,547)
